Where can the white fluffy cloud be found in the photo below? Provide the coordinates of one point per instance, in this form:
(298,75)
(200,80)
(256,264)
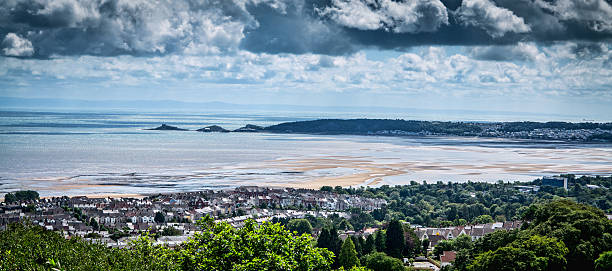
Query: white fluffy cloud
(397,16)
(138,27)
(423,70)
(597,14)
(14,45)
(495,20)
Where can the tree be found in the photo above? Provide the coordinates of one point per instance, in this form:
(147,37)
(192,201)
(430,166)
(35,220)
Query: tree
(301,226)
(462,242)
(444,245)
(220,246)
(159,217)
(348,255)
(329,239)
(585,230)
(171,231)
(506,259)
(380,241)
(369,246)
(604,262)
(462,260)
(494,240)
(535,253)
(327,188)
(357,241)
(379,261)
(360,219)
(483,219)
(23,195)
(345,225)
(338,189)
(10,198)
(394,242)
(94,224)
(25,247)
(413,244)
(425,244)
(324,239)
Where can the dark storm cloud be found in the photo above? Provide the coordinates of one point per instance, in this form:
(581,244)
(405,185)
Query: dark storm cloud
(297,31)
(43,28)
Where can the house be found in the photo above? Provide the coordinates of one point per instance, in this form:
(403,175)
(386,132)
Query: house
(448,257)
(555,182)
(435,240)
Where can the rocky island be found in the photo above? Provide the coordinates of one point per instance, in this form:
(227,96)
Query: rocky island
(249,128)
(165,127)
(213,128)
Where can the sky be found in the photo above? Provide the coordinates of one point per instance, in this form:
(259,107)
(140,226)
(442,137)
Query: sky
(539,56)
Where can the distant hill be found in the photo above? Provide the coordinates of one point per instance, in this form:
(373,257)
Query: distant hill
(373,126)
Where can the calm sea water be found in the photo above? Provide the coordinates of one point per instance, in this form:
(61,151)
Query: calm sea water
(91,153)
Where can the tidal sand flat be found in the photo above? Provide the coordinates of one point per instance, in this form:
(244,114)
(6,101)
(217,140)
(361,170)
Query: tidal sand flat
(73,155)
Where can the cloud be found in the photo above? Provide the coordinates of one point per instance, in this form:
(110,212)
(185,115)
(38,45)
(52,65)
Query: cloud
(14,45)
(137,27)
(397,16)
(494,20)
(298,30)
(596,14)
(520,52)
(332,27)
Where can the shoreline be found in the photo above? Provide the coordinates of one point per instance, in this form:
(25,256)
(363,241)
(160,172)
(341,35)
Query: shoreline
(344,181)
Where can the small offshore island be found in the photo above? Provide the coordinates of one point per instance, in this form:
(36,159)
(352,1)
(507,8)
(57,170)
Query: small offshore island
(558,131)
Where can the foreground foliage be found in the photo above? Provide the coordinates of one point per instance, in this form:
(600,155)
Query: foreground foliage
(219,246)
(557,235)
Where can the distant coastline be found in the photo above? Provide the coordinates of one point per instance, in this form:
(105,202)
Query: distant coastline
(584,132)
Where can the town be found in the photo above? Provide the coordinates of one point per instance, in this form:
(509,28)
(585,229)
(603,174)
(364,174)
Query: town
(170,217)
(116,220)
(385,224)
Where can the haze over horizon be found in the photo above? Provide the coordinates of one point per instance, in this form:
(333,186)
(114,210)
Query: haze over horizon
(534,56)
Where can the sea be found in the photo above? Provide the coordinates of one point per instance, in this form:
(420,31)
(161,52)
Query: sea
(111,152)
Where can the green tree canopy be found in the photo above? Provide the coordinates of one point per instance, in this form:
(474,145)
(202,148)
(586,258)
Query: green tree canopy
(394,242)
(369,245)
(219,246)
(327,188)
(585,230)
(483,219)
(345,225)
(301,226)
(159,217)
(604,262)
(23,195)
(358,242)
(348,255)
(380,240)
(494,240)
(379,261)
(329,239)
(535,253)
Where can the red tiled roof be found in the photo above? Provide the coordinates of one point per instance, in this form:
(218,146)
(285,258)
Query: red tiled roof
(448,256)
